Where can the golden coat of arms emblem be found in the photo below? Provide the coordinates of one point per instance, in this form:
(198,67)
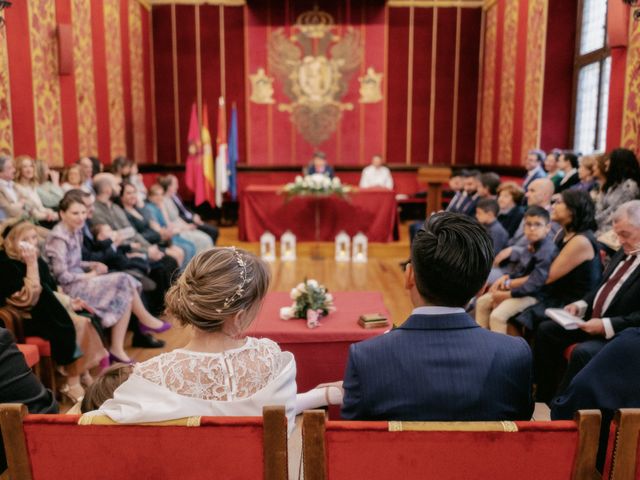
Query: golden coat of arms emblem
(314,67)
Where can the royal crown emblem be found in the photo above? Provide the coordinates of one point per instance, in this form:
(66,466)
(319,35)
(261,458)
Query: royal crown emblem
(314,67)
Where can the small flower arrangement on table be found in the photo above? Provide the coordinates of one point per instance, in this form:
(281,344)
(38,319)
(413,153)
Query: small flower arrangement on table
(316,184)
(311,300)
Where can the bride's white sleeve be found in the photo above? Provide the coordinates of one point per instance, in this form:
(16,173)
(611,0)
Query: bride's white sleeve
(317,398)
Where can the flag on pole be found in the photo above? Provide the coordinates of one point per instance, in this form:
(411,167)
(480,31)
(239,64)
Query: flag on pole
(194,175)
(222,177)
(233,153)
(207,159)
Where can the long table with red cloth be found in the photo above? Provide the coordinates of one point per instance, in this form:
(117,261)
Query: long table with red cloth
(321,353)
(373,212)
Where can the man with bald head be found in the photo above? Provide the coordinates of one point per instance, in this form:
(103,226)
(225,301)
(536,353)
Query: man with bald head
(539,194)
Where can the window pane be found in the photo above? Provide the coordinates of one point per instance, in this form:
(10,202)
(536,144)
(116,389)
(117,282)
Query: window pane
(604,105)
(587,108)
(594,23)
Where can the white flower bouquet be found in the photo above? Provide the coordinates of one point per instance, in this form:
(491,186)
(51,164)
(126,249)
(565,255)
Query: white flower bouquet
(311,301)
(316,184)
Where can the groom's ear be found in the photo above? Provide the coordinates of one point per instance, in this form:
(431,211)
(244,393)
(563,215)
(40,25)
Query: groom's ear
(409,277)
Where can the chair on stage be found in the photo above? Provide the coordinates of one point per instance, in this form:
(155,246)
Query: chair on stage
(336,450)
(61,446)
(623,454)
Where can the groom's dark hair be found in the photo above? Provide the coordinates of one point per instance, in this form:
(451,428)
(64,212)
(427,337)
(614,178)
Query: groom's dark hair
(451,256)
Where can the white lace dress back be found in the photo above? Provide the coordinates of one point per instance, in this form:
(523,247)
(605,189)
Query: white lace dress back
(183,383)
(230,375)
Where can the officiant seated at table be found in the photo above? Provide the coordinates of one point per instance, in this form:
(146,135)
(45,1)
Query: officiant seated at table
(612,307)
(376,174)
(319,164)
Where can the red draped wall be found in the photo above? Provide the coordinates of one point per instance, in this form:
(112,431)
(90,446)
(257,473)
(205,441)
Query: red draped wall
(60,117)
(423,119)
(189,42)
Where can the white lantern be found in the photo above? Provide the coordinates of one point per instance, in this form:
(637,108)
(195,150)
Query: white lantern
(288,246)
(343,242)
(268,247)
(359,248)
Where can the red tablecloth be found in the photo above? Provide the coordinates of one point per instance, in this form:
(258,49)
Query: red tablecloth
(321,353)
(373,212)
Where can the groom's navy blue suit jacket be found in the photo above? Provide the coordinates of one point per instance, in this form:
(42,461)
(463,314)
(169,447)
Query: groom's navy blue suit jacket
(439,367)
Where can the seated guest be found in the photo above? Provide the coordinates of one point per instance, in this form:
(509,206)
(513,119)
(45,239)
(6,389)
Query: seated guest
(170,185)
(220,371)
(104,385)
(89,166)
(600,178)
(622,175)
(135,179)
(142,222)
(440,364)
(26,283)
(26,186)
(585,173)
(488,184)
(319,164)
(512,293)
(466,203)
(577,268)
(510,197)
(72,178)
(607,383)
(455,188)
(10,204)
(113,296)
(156,212)
(610,308)
(539,194)
(190,231)
(533,164)
(551,166)
(486,213)
(48,188)
(121,168)
(376,175)
(18,384)
(568,162)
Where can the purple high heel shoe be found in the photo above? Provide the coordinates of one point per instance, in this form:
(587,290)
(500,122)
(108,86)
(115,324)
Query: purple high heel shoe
(162,328)
(115,359)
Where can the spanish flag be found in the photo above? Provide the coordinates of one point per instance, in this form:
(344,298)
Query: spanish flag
(207,160)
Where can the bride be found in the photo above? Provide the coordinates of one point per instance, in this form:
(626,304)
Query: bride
(220,371)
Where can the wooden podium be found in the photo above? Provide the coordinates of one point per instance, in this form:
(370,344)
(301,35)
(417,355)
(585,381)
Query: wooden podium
(433,178)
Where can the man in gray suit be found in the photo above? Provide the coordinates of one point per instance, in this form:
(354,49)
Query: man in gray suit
(439,364)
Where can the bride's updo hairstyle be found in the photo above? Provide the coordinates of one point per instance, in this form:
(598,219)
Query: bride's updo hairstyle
(216,285)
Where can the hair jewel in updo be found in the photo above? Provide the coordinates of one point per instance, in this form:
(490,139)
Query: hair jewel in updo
(243,280)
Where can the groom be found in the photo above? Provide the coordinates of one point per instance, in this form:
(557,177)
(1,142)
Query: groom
(440,365)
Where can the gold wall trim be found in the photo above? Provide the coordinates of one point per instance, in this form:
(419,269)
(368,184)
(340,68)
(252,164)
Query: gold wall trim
(432,101)
(508,82)
(488,86)
(137,82)
(115,89)
(534,76)
(145,3)
(483,22)
(223,77)
(46,82)
(6,133)
(456,86)
(489,4)
(386,83)
(630,131)
(437,3)
(410,86)
(154,135)
(247,103)
(225,3)
(176,101)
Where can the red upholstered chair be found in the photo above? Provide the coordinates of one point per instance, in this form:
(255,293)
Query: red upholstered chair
(13,318)
(31,355)
(56,446)
(336,450)
(623,454)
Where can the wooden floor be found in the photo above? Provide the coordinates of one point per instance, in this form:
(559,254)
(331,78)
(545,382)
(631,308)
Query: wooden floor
(315,260)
